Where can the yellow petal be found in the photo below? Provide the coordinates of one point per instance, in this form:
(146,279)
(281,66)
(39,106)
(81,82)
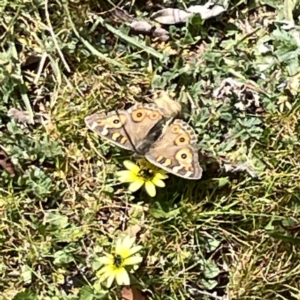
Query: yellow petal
(132,167)
(134,250)
(124,247)
(133,260)
(128,241)
(126,176)
(158,182)
(110,280)
(150,188)
(118,246)
(122,277)
(104,270)
(106,260)
(134,186)
(161,175)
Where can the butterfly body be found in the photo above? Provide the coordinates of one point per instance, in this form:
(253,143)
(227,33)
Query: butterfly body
(139,129)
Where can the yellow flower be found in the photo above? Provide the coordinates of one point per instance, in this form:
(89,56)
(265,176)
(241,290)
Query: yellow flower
(144,175)
(115,264)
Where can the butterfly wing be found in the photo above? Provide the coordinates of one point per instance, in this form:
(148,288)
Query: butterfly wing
(111,126)
(176,151)
(127,129)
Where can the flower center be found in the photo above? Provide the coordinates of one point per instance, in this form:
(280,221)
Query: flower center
(118,260)
(145,173)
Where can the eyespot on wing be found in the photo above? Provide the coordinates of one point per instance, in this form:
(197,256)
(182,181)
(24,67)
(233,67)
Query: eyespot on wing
(139,114)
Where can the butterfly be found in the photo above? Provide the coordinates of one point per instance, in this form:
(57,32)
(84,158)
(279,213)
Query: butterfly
(143,128)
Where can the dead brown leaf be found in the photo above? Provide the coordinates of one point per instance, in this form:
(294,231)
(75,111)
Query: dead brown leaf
(6,163)
(132,293)
(20,115)
(133,230)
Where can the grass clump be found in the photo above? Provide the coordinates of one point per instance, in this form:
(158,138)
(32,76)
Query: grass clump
(231,235)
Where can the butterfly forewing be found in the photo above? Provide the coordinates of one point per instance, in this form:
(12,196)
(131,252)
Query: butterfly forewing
(111,126)
(129,129)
